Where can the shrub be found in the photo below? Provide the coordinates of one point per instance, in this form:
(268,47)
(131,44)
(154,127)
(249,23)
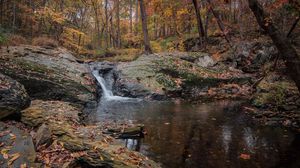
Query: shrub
(45,42)
(15,40)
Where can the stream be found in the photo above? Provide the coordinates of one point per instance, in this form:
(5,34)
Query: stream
(214,134)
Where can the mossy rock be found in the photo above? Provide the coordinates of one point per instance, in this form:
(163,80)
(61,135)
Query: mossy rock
(101,150)
(49,74)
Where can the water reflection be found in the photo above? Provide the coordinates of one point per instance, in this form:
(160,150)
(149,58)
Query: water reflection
(205,135)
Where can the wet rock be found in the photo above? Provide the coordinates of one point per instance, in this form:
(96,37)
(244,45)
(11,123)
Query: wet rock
(125,133)
(17,147)
(13,96)
(49,74)
(99,150)
(43,136)
(103,67)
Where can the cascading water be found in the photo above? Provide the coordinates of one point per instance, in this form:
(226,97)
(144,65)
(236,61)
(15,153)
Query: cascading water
(107,93)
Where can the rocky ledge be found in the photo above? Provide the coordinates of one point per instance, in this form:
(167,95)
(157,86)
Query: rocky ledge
(48,74)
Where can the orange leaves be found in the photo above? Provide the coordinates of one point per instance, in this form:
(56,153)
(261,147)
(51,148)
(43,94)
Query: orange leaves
(279,3)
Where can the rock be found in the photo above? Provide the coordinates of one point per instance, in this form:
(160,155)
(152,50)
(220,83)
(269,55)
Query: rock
(99,150)
(18,143)
(289,107)
(43,136)
(48,74)
(130,132)
(170,75)
(13,96)
(250,56)
(205,61)
(102,67)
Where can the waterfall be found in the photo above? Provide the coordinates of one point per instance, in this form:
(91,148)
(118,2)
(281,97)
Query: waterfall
(107,92)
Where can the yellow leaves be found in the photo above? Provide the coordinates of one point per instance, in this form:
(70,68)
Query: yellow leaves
(4,152)
(168,12)
(52,15)
(183,11)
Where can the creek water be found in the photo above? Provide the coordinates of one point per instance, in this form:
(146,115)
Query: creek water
(216,134)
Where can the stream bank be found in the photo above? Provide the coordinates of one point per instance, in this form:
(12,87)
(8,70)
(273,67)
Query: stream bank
(59,88)
(63,92)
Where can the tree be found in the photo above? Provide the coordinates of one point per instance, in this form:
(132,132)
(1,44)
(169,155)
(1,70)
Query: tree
(148,49)
(219,21)
(284,46)
(118,23)
(199,21)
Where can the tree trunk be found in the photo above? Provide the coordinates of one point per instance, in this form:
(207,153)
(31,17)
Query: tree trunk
(284,46)
(219,21)
(136,17)
(199,20)
(130,15)
(118,23)
(14,17)
(97,23)
(145,29)
(107,24)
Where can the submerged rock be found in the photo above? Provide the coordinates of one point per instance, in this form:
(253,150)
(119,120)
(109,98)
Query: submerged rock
(49,74)
(16,147)
(13,96)
(86,145)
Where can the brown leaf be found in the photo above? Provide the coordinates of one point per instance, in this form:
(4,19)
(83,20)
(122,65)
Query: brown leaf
(14,157)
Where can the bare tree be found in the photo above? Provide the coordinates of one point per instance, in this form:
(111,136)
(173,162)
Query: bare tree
(199,21)
(148,49)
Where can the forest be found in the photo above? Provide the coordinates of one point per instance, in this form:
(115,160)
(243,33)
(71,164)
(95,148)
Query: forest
(149,83)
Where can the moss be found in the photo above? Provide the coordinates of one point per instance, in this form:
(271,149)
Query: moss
(166,81)
(273,93)
(31,66)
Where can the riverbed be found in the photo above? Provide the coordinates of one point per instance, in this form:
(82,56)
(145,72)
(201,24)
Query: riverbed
(215,134)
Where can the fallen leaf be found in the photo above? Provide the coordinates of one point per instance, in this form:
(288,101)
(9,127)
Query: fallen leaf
(14,157)
(4,152)
(23,165)
(12,136)
(245,156)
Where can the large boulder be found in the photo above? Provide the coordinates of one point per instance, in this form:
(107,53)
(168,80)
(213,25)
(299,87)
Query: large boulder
(48,74)
(174,74)
(13,96)
(83,146)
